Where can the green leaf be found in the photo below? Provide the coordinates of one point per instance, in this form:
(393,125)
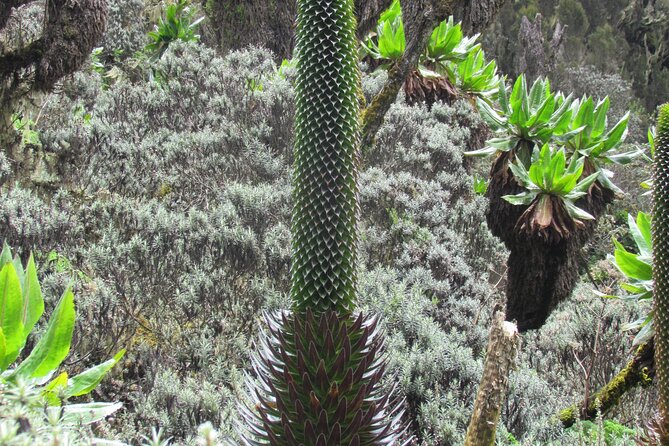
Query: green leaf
(490,116)
(641,235)
(576,212)
(5,255)
(585,184)
(599,124)
(3,349)
(630,264)
(53,390)
(537,94)
(503,98)
(88,380)
(54,345)
(88,413)
(10,314)
(33,303)
(584,116)
(617,134)
(521,174)
(524,198)
(486,151)
(504,144)
(647,331)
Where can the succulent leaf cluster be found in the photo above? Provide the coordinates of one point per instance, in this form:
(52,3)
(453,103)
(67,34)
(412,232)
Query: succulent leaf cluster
(452,63)
(574,131)
(550,183)
(177,23)
(526,117)
(637,267)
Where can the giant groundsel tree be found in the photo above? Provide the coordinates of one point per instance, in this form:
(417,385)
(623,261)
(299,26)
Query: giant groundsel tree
(320,365)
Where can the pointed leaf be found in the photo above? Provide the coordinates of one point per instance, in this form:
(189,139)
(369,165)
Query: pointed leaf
(88,380)
(10,314)
(524,198)
(617,134)
(5,255)
(33,303)
(54,345)
(643,243)
(89,412)
(630,264)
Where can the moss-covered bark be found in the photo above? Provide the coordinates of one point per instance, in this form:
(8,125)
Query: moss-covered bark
(639,371)
(501,354)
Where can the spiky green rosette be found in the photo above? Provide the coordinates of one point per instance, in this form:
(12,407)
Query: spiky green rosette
(326,156)
(661,265)
(321,384)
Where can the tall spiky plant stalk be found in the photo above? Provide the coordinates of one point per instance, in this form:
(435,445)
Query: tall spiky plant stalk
(320,366)
(661,268)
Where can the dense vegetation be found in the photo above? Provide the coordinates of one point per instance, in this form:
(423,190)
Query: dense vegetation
(159,188)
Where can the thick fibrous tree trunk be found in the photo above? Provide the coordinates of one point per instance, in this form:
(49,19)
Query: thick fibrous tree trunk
(71,31)
(639,371)
(235,24)
(476,15)
(503,346)
(72,28)
(542,272)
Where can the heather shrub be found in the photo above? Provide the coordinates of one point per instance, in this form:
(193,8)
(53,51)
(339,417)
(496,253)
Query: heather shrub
(126,32)
(169,193)
(172,213)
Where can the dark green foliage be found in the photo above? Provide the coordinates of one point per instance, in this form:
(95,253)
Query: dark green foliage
(572,14)
(323,380)
(661,267)
(325,177)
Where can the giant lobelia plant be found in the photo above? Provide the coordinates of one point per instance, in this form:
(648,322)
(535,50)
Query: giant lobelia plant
(661,268)
(320,365)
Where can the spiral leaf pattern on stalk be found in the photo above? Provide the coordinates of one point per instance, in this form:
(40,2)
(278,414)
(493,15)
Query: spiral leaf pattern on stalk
(325,189)
(661,265)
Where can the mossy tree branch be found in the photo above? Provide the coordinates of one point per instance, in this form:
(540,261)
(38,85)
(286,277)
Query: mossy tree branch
(639,371)
(420,19)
